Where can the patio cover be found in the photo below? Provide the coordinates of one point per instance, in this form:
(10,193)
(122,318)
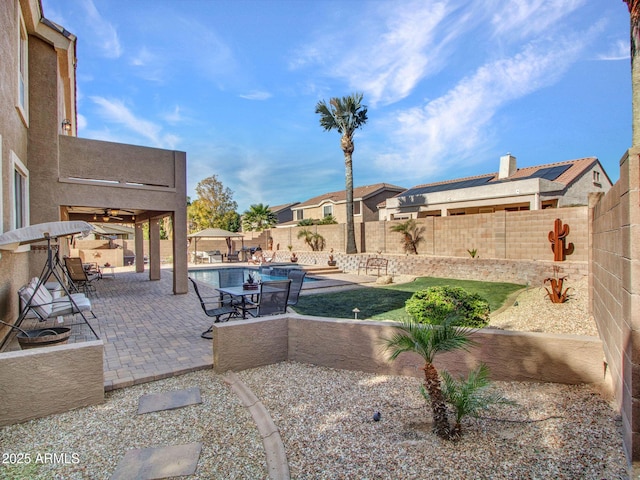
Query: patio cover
(12,239)
(215,233)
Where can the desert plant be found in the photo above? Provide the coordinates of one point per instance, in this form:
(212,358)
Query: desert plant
(314,240)
(434,304)
(556,294)
(411,235)
(306,222)
(468,396)
(473,252)
(328,220)
(427,340)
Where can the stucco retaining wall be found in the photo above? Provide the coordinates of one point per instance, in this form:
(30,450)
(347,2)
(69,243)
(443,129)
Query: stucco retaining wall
(43,381)
(357,345)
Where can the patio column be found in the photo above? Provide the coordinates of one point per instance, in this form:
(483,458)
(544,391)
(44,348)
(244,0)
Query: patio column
(154,249)
(139,248)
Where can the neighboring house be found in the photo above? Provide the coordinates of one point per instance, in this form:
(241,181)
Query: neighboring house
(284,212)
(48,174)
(531,188)
(365,202)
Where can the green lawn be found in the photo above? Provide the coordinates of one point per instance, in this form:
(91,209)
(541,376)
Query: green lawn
(387,303)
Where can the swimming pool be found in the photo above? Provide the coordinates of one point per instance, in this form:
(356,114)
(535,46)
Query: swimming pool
(260,274)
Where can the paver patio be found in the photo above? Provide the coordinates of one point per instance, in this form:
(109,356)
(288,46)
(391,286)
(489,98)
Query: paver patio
(148,332)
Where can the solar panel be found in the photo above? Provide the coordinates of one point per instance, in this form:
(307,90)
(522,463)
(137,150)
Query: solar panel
(443,187)
(550,173)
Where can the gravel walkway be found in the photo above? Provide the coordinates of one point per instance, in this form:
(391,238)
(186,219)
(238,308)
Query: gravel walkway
(324,417)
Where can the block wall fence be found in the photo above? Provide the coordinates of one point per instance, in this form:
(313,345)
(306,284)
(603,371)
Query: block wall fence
(499,235)
(614,279)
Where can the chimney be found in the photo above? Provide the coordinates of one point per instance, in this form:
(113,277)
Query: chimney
(507,166)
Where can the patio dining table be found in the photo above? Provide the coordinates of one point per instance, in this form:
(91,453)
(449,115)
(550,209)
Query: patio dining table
(242,293)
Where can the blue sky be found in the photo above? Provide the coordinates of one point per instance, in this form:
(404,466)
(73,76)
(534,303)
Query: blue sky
(451,86)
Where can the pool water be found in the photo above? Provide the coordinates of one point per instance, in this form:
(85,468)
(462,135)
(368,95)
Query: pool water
(264,274)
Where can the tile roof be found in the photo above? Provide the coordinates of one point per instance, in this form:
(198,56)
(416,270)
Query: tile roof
(278,208)
(562,172)
(341,195)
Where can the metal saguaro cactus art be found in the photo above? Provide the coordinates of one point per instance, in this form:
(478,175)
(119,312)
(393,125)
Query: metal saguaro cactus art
(557,238)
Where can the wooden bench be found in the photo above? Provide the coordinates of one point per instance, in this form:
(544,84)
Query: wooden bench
(377,263)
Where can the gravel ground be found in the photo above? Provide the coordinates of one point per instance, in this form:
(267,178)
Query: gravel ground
(534,312)
(325,420)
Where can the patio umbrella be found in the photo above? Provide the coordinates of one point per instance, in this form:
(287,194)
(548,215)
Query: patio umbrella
(216,233)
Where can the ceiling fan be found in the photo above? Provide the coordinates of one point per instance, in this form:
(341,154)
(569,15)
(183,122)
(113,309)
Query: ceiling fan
(112,213)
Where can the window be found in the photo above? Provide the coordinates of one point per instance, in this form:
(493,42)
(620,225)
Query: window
(19,193)
(596,177)
(356,208)
(23,72)
(327,210)
(299,215)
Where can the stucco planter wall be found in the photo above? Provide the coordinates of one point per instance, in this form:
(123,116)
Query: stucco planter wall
(40,382)
(357,345)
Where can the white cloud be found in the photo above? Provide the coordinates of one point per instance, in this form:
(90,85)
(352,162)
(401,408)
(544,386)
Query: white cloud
(116,112)
(522,18)
(105,33)
(388,51)
(618,51)
(256,95)
(458,124)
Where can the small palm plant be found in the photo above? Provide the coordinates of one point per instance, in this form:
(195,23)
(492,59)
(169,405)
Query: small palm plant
(427,340)
(411,235)
(314,240)
(469,396)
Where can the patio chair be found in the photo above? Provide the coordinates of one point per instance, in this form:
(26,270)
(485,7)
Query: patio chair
(80,278)
(297,277)
(273,298)
(214,308)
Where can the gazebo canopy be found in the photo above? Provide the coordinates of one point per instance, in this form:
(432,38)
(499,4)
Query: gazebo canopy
(214,233)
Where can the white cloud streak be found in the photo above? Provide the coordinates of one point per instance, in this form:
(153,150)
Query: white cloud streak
(618,51)
(457,125)
(391,50)
(105,33)
(256,95)
(523,18)
(117,112)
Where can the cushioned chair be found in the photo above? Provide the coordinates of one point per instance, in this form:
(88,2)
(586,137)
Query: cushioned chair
(273,298)
(297,278)
(81,279)
(41,302)
(213,307)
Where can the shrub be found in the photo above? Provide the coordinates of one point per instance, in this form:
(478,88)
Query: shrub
(434,304)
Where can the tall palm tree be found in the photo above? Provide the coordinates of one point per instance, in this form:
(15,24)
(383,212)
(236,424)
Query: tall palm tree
(258,218)
(345,115)
(427,340)
(634,13)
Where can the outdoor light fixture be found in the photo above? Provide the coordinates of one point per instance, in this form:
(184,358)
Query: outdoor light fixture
(105,218)
(95,217)
(66,125)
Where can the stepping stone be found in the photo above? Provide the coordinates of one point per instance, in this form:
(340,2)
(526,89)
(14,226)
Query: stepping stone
(160,462)
(169,400)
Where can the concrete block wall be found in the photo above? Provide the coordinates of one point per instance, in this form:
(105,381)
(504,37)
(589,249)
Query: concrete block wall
(44,381)
(614,275)
(503,235)
(356,345)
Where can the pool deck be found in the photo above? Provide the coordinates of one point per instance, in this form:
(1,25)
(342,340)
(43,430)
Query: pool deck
(149,333)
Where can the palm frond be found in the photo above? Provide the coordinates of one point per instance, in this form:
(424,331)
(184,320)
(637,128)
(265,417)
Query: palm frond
(468,396)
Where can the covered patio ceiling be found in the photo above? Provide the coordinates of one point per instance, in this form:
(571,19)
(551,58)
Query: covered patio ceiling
(111,214)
